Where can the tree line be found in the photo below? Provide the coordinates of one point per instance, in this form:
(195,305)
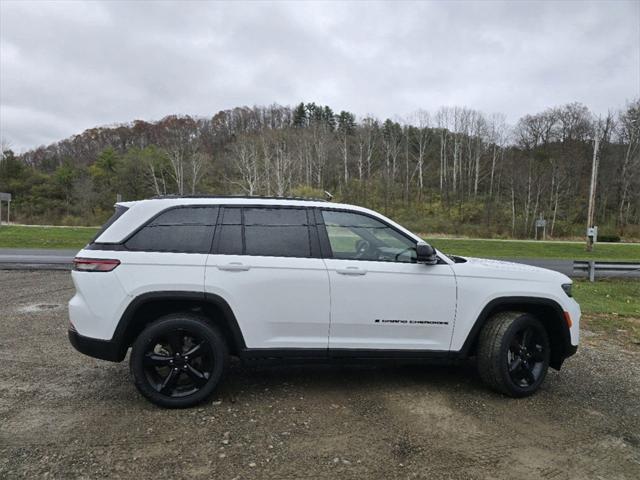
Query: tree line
(455,170)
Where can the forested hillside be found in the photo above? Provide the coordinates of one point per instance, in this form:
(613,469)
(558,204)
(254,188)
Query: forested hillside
(454,171)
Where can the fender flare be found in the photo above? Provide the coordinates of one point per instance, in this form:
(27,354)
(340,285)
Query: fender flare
(128,318)
(507,303)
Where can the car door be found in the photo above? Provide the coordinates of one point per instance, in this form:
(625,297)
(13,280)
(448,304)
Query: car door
(266,265)
(381,299)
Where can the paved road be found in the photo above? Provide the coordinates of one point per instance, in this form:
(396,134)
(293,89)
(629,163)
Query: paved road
(40,259)
(35,259)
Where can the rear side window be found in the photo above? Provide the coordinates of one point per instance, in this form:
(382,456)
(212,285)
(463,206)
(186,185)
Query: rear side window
(277,232)
(230,232)
(181,229)
(120,209)
(272,232)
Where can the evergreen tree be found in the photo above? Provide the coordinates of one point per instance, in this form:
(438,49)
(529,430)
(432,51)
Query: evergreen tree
(300,116)
(346,122)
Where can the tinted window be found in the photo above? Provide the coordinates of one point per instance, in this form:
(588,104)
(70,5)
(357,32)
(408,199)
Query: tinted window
(277,232)
(354,236)
(278,241)
(231,216)
(229,236)
(230,240)
(273,232)
(182,229)
(275,216)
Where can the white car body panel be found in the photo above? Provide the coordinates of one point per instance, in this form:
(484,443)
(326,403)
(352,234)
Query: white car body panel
(109,293)
(145,272)
(388,305)
(98,304)
(278,302)
(480,281)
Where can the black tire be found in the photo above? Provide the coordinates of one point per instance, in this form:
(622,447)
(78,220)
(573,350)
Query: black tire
(178,360)
(513,353)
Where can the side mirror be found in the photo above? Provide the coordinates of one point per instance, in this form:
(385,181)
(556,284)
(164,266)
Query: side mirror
(426,254)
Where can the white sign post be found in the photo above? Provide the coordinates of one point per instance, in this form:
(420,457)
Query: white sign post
(5,197)
(541,223)
(592,236)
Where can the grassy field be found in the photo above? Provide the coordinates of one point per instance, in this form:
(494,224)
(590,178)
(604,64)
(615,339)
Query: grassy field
(76,237)
(611,307)
(45,237)
(533,249)
(611,297)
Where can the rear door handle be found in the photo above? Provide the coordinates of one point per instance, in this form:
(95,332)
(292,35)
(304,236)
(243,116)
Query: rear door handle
(234,267)
(351,271)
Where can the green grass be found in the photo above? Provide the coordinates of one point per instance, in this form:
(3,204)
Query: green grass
(533,249)
(611,307)
(611,297)
(45,237)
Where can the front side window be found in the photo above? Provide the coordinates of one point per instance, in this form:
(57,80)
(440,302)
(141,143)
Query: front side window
(354,236)
(181,229)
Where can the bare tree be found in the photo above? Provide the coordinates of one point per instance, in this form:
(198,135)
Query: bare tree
(629,134)
(244,155)
(422,120)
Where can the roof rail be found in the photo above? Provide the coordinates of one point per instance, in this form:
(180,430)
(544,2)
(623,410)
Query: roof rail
(258,197)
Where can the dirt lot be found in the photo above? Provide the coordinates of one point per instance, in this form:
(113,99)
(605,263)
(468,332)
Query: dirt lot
(64,415)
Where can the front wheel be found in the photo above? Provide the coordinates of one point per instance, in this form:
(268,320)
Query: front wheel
(513,353)
(178,360)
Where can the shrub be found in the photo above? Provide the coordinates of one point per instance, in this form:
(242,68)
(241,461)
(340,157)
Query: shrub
(609,238)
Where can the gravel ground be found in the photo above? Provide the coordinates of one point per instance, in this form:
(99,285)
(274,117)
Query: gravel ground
(64,415)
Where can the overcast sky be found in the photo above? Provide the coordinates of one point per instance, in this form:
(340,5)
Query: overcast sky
(69,66)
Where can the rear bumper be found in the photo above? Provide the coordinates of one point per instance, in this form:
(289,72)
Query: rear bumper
(102,349)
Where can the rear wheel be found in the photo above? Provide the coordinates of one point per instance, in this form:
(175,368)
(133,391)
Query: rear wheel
(178,360)
(513,353)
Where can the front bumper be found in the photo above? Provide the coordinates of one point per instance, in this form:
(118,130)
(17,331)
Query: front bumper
(102,349)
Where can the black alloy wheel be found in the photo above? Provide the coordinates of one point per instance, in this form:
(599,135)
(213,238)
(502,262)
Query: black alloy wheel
(513,353)
(178,363)
(526,357)
(178,360)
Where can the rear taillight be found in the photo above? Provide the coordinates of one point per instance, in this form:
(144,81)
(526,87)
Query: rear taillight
(94,264)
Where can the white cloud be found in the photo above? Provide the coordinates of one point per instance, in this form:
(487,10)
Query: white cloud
(68,66)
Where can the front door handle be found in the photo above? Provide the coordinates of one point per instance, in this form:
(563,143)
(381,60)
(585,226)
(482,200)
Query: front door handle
(351,271)
(234,267)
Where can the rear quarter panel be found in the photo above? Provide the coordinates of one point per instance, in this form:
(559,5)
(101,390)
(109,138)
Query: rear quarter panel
(102,297)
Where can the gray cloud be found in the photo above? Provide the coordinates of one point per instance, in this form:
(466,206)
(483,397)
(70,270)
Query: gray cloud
(68,66)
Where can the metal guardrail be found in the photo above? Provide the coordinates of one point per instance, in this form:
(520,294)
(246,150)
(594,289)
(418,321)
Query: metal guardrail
(606,268)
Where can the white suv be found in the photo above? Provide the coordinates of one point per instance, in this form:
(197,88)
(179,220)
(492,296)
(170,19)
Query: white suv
(186,282)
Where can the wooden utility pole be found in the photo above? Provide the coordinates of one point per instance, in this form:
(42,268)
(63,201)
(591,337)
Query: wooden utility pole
(592,188)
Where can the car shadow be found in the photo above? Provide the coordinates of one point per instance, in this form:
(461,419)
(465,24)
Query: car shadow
(353,378)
